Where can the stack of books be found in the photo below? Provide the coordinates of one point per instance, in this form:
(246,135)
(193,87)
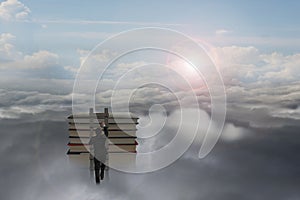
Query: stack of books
(121,136)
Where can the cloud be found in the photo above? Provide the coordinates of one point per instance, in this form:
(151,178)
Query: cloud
(39,147)
(95,57)
(287,113)
(40,64)
(233,133)
(221,32)
(285,68)
(252,104)
(72,69)
(86,22)
(15,104)
(41,59)
(269,42)
(13,10)
(8,52)
(37,60)
(87,35)
(261,88)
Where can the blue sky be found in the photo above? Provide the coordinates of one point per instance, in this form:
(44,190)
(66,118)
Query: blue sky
(252,19)
(231,13)
(63,27)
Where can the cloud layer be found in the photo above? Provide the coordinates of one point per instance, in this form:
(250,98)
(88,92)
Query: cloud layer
(262,89)
(261,160)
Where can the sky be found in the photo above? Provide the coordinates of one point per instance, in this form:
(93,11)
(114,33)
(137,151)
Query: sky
(255,45)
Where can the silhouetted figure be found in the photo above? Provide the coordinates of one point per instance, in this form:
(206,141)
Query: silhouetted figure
(100,151)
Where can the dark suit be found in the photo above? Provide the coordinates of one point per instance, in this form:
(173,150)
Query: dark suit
(100,154)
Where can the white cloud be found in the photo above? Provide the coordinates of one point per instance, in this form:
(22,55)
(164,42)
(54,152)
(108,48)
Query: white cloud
(42,64)
(248,64)
(287,113)
(84,22)
(95,57)
(232,133)
(71,69)
(10,57)
(41,59)
(13,10)
(8,51)
(270,41)
(284,68)
(14,104)
(236,55)
(86,35)
(262,89)
(221,32)
(6,37)
(44,26)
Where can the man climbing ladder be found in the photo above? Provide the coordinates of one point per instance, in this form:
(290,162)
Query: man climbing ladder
(99,143)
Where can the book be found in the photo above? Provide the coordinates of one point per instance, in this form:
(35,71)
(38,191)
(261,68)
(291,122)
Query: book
(111,127)
(111,148)
(111,134)
(121,134)
(114,159)
(110,121)
(85,140)
(117,115)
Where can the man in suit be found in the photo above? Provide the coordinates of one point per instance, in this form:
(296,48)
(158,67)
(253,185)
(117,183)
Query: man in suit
(99,143)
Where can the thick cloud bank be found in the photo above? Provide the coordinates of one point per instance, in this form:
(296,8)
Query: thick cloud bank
(245,164)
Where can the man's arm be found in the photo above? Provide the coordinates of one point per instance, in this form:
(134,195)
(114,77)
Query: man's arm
(105,129)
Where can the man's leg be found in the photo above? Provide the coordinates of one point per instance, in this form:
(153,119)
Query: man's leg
(102,170)
(97,168)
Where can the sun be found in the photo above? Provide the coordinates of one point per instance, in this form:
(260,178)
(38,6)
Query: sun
(187,72)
